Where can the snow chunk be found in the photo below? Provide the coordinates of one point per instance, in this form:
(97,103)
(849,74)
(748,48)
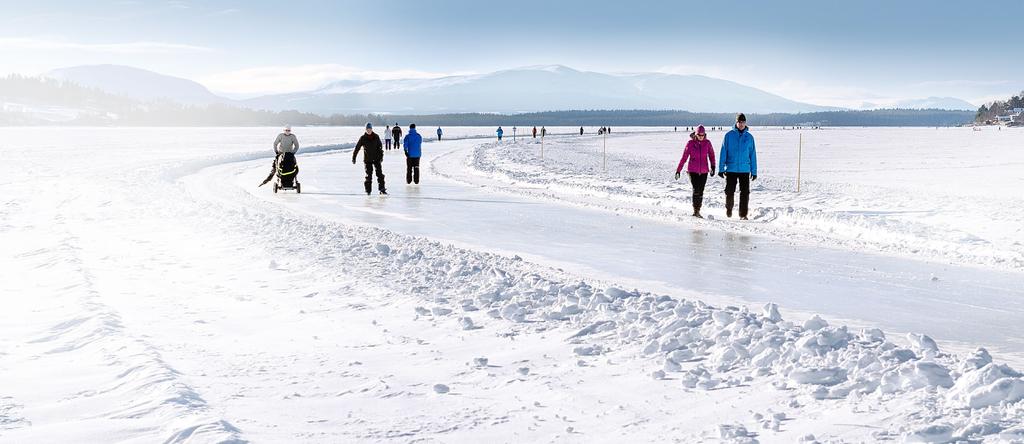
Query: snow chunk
(923,343)
(588,350)
(987,386)
(771,312)
(441,389)
(931,433)
(815,323)
(818,376)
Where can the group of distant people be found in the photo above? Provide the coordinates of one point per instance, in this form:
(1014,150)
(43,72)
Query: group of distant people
(395,133)
(690,128)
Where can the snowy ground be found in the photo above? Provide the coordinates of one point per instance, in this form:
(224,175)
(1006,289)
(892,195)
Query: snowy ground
(152,293)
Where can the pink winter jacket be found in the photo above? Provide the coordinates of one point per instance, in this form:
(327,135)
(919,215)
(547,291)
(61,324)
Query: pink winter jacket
(697,151)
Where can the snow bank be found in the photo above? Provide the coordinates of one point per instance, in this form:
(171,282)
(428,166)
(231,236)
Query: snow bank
(697,346)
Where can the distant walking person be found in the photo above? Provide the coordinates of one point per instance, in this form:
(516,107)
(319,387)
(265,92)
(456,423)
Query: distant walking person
(373,155)
(738,163)
(581,130)
(500,133)
(387,137)
(534,132)
(439,132)
(543,131)
(286,142)
(413,141)
(701,155)
(396,133)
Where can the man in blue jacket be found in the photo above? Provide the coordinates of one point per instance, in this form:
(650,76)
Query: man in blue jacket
(413,141)
(738,163)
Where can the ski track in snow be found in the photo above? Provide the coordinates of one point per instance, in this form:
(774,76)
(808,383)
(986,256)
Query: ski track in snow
(194,312)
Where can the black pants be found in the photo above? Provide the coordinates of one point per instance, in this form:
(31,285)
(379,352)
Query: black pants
(730,190)
(412,170)
(698,180)
(370,167)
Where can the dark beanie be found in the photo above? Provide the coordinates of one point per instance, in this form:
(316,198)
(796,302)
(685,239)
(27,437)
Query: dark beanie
(741,117)
(412,126)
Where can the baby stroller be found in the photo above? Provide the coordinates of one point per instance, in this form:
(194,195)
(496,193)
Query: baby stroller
(285,174)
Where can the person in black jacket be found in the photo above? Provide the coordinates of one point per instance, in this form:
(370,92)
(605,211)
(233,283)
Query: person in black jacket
(373,155)
(396,133)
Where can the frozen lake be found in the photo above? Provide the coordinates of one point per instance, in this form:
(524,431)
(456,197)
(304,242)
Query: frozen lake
(190,304)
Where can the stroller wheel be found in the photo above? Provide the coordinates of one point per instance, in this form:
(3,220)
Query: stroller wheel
(275,187)
(298,188)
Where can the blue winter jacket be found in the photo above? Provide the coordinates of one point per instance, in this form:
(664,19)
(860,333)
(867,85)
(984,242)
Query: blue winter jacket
(738,154)
(412,143)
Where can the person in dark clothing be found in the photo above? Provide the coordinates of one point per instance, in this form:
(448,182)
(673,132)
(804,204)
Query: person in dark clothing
(738,164)
(534,132)
(373,155)
(413,142)
(439,132)
(581,130)
(396,133)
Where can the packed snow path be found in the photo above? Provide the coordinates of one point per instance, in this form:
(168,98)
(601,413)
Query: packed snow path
(957,304)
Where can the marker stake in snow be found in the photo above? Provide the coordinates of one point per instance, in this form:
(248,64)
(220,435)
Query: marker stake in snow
(799,160)
(541,146)
(604,151)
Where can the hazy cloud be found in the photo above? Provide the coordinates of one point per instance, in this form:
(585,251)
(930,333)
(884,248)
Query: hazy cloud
(285,79)
(40,44)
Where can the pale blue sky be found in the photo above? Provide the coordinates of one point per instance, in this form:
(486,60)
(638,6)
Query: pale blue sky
(823,52)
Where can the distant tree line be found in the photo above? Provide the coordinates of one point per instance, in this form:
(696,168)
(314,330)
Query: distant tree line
(999,108)
(884,117)
(41,101)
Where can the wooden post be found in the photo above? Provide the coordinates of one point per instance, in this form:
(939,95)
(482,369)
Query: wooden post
(799,161)
(604,152)
(542,146)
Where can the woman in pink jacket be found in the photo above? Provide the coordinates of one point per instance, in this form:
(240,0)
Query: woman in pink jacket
(702,161)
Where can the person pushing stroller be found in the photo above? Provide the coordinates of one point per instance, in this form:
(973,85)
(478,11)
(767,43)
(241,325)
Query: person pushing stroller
(285,145)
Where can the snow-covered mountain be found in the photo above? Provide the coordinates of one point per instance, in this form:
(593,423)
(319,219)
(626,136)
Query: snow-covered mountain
(137,83)
(537,88)
(952,103)
(948,103)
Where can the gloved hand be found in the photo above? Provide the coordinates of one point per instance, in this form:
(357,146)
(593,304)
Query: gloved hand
(722,175)
(712,171)
(677,175)
(753,177)
(353,161)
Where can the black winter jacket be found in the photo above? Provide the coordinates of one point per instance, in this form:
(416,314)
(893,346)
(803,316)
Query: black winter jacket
(374,149)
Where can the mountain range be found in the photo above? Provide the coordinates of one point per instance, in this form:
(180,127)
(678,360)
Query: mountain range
(520,90)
